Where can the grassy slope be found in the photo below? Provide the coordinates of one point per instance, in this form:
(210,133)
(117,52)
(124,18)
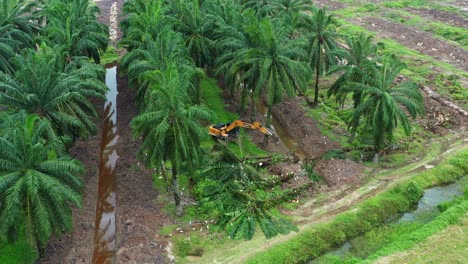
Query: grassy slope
(315,240)
(230,251)
(454,247)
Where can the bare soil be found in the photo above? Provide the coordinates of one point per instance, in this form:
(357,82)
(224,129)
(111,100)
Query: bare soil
(330,5)
(292,116)
(338,172)
(441,16)
(420,41)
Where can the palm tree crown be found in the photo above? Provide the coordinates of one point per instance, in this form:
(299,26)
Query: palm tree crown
(384,102)
(59,92)
(36,185)
(322,41)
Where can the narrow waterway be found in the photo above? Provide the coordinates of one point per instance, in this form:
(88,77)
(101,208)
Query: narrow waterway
(281,133)
(425,211)
(105,225)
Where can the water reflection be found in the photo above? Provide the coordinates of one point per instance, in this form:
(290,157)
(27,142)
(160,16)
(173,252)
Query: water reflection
(105,226)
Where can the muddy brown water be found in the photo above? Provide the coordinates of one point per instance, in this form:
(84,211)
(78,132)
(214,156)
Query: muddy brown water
(105,240)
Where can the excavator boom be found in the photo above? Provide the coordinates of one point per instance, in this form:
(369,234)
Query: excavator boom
(230,130)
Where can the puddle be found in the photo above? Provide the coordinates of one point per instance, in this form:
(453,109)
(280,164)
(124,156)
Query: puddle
(425,211)
(105,226)
(281,133)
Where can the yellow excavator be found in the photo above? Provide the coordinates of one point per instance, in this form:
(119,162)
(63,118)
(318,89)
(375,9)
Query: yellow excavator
(231,130)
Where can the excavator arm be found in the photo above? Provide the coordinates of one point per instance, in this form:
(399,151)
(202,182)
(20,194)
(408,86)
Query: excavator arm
(231,130)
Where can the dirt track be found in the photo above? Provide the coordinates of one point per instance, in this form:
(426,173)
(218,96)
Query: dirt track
(441,16)
(421,41)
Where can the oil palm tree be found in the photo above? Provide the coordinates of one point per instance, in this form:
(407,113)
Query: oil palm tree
(267,63)
(142,22)
(54,90)
(16,30)
(358,57)
(230,189)
(143,64)
(170,128)
(192,21)
(385,103)
(74,25)
(37,186)
(322,41)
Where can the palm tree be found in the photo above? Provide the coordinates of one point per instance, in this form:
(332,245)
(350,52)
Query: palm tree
(16,29)
(268,63)
(56,91)
(74,25)
(170,127)
(192,21)
(385,103)
(358,58)
(230,189)
(144,64)
(142,22)
(322,41)
(37,186)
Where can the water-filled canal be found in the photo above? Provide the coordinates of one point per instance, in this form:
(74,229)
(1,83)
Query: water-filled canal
(105,225)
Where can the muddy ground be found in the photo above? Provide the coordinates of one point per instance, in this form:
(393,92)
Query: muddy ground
(139,216)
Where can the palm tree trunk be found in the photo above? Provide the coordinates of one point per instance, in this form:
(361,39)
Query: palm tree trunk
(253,108)
(175,188)
(268,124)
(164,174)
(317,74)
(316,84)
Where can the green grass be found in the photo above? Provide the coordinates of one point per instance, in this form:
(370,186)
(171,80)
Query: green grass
(110,56)
(20,252)
(370,214)
(453,247)
(420,67)
(211,95)
(445,32)
(397,237)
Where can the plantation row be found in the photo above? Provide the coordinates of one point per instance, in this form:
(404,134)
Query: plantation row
(46,81)
(264,50)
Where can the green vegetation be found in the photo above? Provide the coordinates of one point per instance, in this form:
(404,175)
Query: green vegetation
(444,31)
(420,67)
(322,42)
(313,242)
(46,82)
(36,184)
(211,96)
